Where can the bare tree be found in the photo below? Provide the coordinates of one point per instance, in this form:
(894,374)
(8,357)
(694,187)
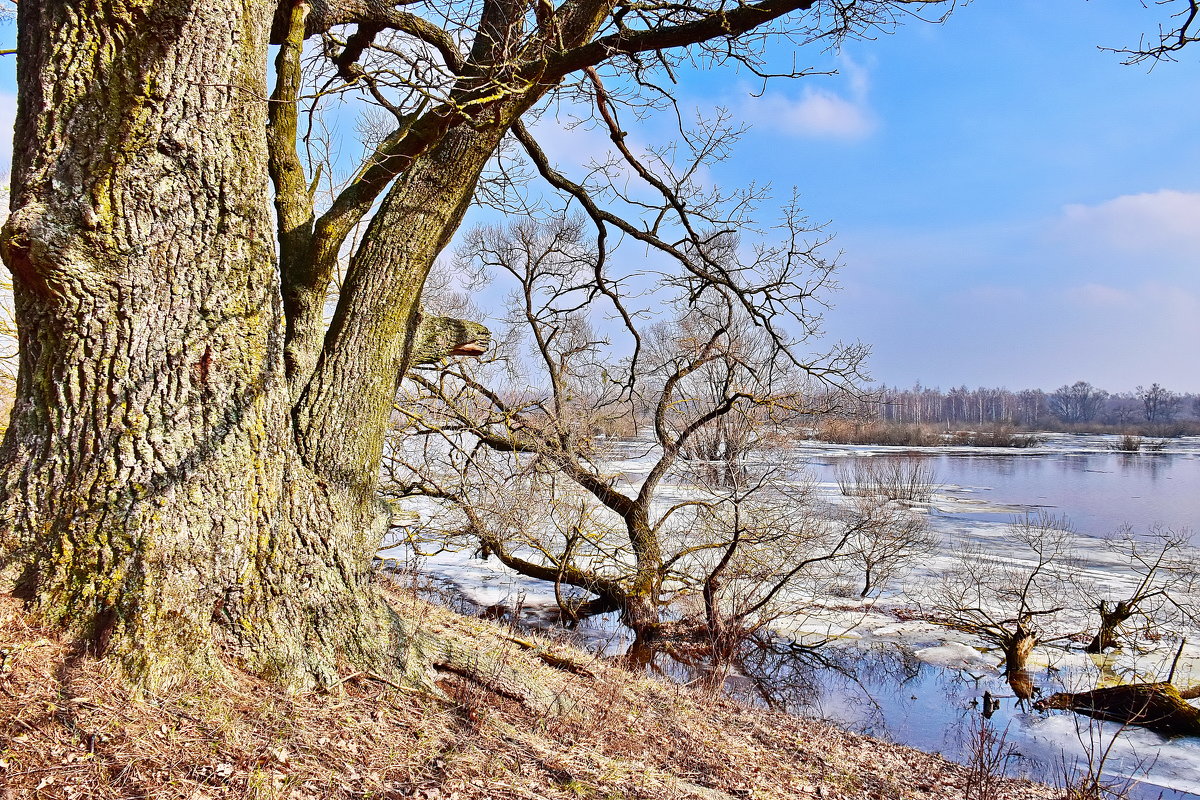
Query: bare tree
(757,551)
(619,539)
(1008,600)
(1158,404)
(1079,402)
(886,539)
(1031,405)
(1163,566)
(1123,409)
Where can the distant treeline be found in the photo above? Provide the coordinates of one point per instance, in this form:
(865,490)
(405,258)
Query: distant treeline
(1077,406)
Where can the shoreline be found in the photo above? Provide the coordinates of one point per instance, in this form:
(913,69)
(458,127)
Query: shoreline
(71,730)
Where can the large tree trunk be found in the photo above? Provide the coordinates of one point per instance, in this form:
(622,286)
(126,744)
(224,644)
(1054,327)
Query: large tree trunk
(152,498)
(168,494)
(1018,644)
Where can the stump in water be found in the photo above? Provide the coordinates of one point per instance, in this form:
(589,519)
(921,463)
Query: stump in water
(1110,619)
(1018,644)
(1157,706)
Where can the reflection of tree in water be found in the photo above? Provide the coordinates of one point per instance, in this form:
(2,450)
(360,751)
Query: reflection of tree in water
(787,676)
(1150,464)
(779,674)
(873,683)
(1007,466)
(1076,463)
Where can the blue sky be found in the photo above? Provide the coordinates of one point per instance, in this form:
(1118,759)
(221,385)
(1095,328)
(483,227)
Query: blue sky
(1015,207)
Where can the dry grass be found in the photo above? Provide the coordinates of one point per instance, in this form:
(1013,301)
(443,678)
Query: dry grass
(844,431)
(68,729)
(878,432)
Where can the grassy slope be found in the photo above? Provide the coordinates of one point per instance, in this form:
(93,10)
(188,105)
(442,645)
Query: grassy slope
(68,729)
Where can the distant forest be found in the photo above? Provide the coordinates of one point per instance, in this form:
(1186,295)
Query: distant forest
(1078,405)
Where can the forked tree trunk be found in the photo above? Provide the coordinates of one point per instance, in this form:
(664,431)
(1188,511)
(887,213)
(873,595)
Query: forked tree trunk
(1110,620)
(153,501)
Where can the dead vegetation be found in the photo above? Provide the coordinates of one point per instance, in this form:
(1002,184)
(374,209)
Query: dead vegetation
(69,730)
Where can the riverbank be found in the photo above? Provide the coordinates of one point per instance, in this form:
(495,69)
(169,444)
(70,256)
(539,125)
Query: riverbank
(69,730)
(920,683)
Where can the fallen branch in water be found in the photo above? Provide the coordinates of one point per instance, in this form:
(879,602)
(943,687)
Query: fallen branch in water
(1158,706)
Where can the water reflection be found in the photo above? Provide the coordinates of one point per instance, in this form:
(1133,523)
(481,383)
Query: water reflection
(885,691)
(1098,491)
(1021,683)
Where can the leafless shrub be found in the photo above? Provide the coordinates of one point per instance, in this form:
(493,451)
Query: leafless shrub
(897,434)
(989,756)
(1086,780)
(757,555)
(1129,443)
(892,477)
(994,436)
(885,539)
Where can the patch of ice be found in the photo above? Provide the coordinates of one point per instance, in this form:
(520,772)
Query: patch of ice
(1135,752)
(955,655)
(906,630)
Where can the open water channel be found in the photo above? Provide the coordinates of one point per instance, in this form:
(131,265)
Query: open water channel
(920,685)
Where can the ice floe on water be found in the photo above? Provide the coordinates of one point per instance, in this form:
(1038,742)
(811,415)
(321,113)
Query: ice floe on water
(1142,757)
(941,672)
(956,655)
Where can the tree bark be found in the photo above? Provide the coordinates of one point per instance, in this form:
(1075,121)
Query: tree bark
(1157,706)
(1110,620)
(152,500)
(1017,646)
(370,340)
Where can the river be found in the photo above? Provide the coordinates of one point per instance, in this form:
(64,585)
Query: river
(910,682)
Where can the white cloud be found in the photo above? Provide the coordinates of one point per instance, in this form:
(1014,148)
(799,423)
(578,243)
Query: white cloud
(1156,221)
(1096,295)
(818,112)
